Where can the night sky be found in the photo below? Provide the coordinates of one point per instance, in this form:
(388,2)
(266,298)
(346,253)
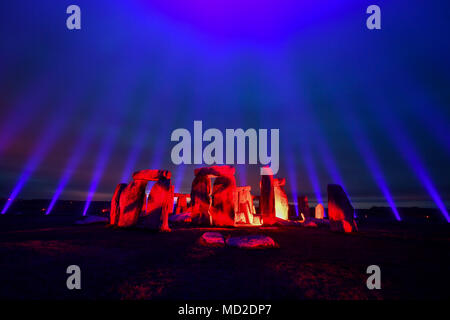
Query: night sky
(369,109)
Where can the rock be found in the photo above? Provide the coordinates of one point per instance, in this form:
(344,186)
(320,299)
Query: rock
(303,206)
(181,218)
(131,201)
(245,209)
(252,242)
(159,202)
(320,211)
(215,171)
(151,175)
(273,200)
(201,200)
(221,211)
(115,208)
(340,210)
(281,200)
(288,223)
(212,239)
(92,220)
(267,199)
(132,198)
(182,202)
(310,224)
(224,199)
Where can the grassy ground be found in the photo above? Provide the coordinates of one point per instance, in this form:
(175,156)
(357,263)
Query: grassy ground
(137,264)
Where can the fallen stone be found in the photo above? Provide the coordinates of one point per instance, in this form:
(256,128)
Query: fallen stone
(252,242)
(181,218)
(92,220)
(212,239)
(288,223)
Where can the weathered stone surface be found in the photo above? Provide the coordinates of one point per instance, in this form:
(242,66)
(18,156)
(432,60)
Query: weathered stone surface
(130,202)
(281,200)
(303,206)
(182,202)
(245,210)
(340,210)
(115,208)
(252,242)
(212,239)
(159,203)
(320,211)
(201,200)
(215,171)
(223,204)
(221,210)
(151,175)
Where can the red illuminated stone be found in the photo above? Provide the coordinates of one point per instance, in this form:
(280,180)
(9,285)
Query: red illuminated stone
(115,208)
(340,210)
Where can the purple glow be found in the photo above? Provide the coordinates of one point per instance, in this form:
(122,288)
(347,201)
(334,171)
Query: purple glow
(242,174)
(293,183)
(72,164)
(179,177)
(102,161)
(40,151)
(376,172)
(312,174)
(370,159)
(21,114)
(136,150)
(412,158)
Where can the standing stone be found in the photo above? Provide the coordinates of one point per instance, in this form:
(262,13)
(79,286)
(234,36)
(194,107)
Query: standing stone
(320,211)
(182,203)
(340,210)
(281,200)
(131,201)
(245,210)
(115,207)
(201,200)
(303,206)
(158,206)
(267,199)
(223,196)
(204,211)
(132,198)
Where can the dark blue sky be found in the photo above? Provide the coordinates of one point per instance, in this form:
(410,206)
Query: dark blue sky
(368,109)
